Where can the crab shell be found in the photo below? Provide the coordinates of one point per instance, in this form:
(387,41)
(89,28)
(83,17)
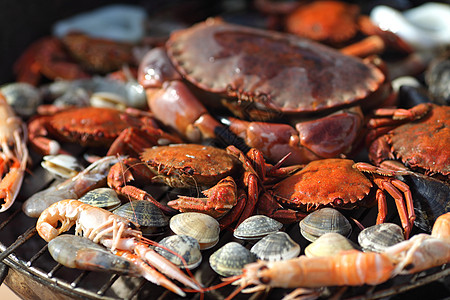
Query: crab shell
(188,165)
(327,182)
(280,72)
(90,126)
(422,144)
(325,21)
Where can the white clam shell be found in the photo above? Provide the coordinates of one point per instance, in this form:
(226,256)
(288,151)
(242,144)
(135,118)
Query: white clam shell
(329,244)
(204,228)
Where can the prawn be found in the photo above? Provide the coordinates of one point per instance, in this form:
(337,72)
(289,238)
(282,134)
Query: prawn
(348,268)
(423,251)
(13,154)
(102,226)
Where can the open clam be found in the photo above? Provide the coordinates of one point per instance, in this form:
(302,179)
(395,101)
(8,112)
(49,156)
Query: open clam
(61,165)
(105,198)
(204,228)
(185,246)
(329,244)
(322,221)
(256,227)
(149,217)
(378,237)
(230,259)
(275,247)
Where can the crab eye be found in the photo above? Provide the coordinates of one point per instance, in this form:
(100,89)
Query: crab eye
(188,170)
(338,202)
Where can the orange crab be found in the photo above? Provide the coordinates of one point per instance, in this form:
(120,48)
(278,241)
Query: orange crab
(198,166)
(338,23)
(418,137)
(307,96)
(94,126)
(338,183)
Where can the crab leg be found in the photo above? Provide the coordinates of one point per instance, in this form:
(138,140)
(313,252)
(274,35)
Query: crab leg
(395,188)
(219,199)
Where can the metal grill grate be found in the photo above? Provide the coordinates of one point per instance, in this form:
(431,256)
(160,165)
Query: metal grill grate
(23,251)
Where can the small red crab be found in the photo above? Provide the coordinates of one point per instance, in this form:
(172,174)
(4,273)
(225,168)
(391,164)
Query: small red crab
(337,23)
(261,75)
(93,126)
(418,137)
(338,183)
(194,165)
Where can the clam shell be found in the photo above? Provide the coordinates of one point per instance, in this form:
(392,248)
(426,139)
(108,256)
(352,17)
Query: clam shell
(205,229)
(230,259)
(329,244)
(105,198)
(256,227)
(378,237)
(185,246)
(61,165)
(275,247)
(149,217)
(322,221)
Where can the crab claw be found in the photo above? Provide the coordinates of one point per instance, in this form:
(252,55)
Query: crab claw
(219,200)
(311,140)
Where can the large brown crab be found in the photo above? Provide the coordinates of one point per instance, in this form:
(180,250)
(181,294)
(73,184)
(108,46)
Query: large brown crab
(198,166)
(418,137)
(262,75)
(337,183)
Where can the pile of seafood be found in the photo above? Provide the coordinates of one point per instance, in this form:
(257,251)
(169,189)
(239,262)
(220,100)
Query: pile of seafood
(314,110)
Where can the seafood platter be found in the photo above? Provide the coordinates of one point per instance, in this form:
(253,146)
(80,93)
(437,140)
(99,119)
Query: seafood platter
(259,149)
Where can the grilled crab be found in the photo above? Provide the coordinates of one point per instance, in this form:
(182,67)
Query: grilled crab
(418,137)
(338,183)
(198,166)
(340,24)
(94,126)
(261,75)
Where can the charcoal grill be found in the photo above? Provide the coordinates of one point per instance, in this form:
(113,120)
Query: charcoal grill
(28,269)
(26,266)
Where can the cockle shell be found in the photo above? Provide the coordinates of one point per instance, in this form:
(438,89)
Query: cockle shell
(322,221)
(149,217)
(256,227)
(378,237)
(230,259)
(205,229)
(329,244)
(185,246)
(275,247)
(105,198)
